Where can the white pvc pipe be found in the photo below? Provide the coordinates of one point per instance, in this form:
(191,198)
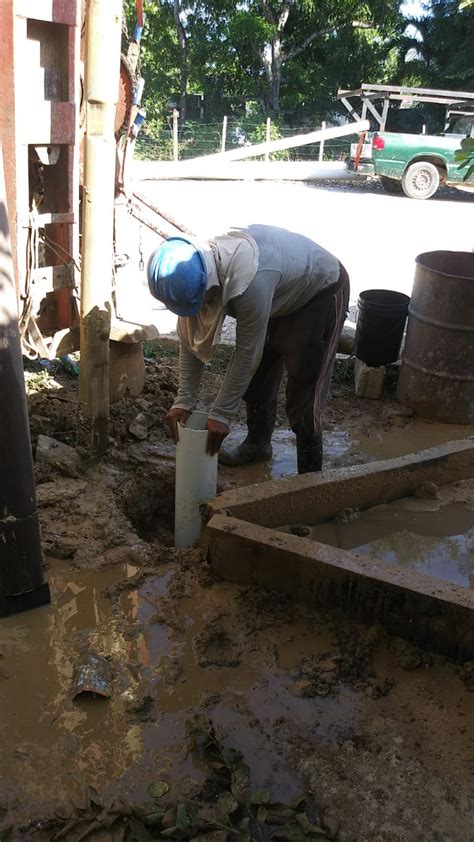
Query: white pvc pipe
(196,479)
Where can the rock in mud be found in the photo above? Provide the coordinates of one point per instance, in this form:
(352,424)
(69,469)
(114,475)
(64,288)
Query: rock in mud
(411,657)
(427,491)
(346,516)
(216,647)
(297,529)
(50,493)
(61,457)
(141,708)
(139,427)
(93,676)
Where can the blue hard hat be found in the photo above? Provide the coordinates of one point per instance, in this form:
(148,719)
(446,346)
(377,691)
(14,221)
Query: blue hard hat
(177,276)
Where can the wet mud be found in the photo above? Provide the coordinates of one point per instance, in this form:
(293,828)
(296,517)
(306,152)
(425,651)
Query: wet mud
(287,688)
(375,734)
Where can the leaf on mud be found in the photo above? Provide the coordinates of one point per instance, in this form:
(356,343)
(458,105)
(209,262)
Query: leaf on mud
(244,824)
(217,765)
(157,789)
(290,832)
(261,796)
(61,834)
(88,831)
(154,819)
(240,782)
(93,797)
(279,814)
(170,831)
(312,830)
(139,831)
(182,819)
(226,804)
(169,818)
(298,803)
(262,814)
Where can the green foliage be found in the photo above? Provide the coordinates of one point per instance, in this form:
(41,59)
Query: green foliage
(443,58)
(228,45)
(232,52)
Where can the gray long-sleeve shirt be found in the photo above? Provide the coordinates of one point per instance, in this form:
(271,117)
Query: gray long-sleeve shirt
(292,269)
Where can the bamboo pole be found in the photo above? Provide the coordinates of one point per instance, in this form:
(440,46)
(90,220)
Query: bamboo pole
(321,145)
(175,134)
(224,134)
(277,145)
(268,137)
(102,67)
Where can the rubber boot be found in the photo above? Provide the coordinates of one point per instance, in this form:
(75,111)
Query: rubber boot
(257,446)
(309,454)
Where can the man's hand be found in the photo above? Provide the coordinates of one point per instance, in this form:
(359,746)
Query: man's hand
(216,435)
(175,417)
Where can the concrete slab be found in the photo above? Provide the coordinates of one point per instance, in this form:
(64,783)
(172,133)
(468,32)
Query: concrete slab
(244,549)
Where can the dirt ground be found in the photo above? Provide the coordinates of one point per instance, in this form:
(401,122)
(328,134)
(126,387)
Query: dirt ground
(234,714)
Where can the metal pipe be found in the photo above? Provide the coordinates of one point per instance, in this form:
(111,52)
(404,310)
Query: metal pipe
(22,584)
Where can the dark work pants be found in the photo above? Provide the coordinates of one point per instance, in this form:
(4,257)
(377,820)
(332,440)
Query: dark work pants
(304,342)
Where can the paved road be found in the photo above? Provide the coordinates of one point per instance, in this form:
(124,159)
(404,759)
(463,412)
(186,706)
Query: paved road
(376,235)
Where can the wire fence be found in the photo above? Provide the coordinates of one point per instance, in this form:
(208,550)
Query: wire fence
(198,138)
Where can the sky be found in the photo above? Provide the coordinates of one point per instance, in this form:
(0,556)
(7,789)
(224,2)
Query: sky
(412,8)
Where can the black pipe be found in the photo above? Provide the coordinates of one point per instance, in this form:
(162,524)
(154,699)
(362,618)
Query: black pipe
(22,584)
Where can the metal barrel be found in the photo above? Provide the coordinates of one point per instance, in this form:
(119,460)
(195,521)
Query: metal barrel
(437,371)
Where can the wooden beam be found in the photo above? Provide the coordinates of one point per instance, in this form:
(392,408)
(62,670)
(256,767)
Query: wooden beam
(373,110)
(349,107)
(102,67)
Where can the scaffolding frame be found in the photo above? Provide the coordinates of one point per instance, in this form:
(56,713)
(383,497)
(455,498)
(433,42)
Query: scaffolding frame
(393,93)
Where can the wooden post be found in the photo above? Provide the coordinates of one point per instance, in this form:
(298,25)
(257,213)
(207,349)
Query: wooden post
(224,134)
(102,68)
(321,145)
(175,134)
(268,136)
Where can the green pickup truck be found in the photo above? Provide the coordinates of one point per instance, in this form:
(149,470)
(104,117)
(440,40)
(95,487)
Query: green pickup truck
(413,164)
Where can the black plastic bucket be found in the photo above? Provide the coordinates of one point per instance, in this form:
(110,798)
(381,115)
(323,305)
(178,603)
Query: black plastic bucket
(381,321)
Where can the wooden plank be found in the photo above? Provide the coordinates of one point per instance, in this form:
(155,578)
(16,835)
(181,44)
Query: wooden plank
(49,278)
(48,219)
(59,11)
(401,89)
(373,110)
(347,105)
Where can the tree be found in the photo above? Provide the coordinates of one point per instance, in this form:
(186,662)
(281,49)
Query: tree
(298,24)
(439,47)
(293,53)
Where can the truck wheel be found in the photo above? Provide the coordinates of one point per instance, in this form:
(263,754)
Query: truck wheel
(391,185)
(420,180)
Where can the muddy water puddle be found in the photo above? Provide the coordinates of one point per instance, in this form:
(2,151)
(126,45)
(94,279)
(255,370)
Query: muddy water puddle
(168,664)
(343,447)
(279,685)
(430,536)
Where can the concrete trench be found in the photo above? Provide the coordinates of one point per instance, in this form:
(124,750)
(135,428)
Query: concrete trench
(246,547)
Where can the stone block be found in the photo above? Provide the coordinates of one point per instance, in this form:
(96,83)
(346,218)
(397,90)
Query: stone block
(60,456)
(368,381)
